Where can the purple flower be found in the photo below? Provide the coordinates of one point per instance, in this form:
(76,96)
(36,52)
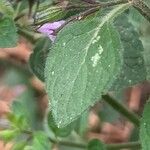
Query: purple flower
(48,29)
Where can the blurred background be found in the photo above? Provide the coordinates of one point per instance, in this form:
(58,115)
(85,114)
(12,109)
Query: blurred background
(18,83)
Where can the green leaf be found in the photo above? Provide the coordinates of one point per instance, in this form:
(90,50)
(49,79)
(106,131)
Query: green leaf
(61,132)
(8,35)
(133,70)
(82,65)
(40,141)
(25,107)
(6,8)
(49,13)
(142,26)
(96,145)
(145,128)
(18,121)
(8,135)
(19,145)
(38,57)
(28,148)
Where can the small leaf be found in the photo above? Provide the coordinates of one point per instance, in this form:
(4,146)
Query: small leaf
(8,135)
(82,65)
(25,109)
(48,14)
(145,128)
(18,121)
(28,147)
(40,141)
(6,8)
(96,145)
(19,145)
(8,35)
(38,57)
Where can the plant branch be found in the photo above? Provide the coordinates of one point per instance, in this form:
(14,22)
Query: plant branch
(131,116)
(28,34)
(143,9)
(119,146)
(94,8)
(77,17)
(113,3)
(129,145)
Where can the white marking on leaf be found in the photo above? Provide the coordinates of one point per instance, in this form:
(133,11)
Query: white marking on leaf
(96,39)
(53,72)
(95,59)
(100,48)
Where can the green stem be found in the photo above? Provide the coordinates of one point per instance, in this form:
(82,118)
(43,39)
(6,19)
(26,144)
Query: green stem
(131,116)
(113,3)
(19,16)
(69,143)
(129,145)
(27,34)
(94,8)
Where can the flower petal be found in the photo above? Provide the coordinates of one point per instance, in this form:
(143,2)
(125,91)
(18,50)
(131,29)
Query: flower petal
(49,28)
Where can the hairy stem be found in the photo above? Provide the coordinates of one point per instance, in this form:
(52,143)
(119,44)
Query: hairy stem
(131,116)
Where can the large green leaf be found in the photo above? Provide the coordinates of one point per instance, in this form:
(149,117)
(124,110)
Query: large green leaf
(133,70)
(38,57)
(8,33)
(83,64)
(145,128)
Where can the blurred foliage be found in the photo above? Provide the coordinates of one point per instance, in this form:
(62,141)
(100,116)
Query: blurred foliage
(38,57)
